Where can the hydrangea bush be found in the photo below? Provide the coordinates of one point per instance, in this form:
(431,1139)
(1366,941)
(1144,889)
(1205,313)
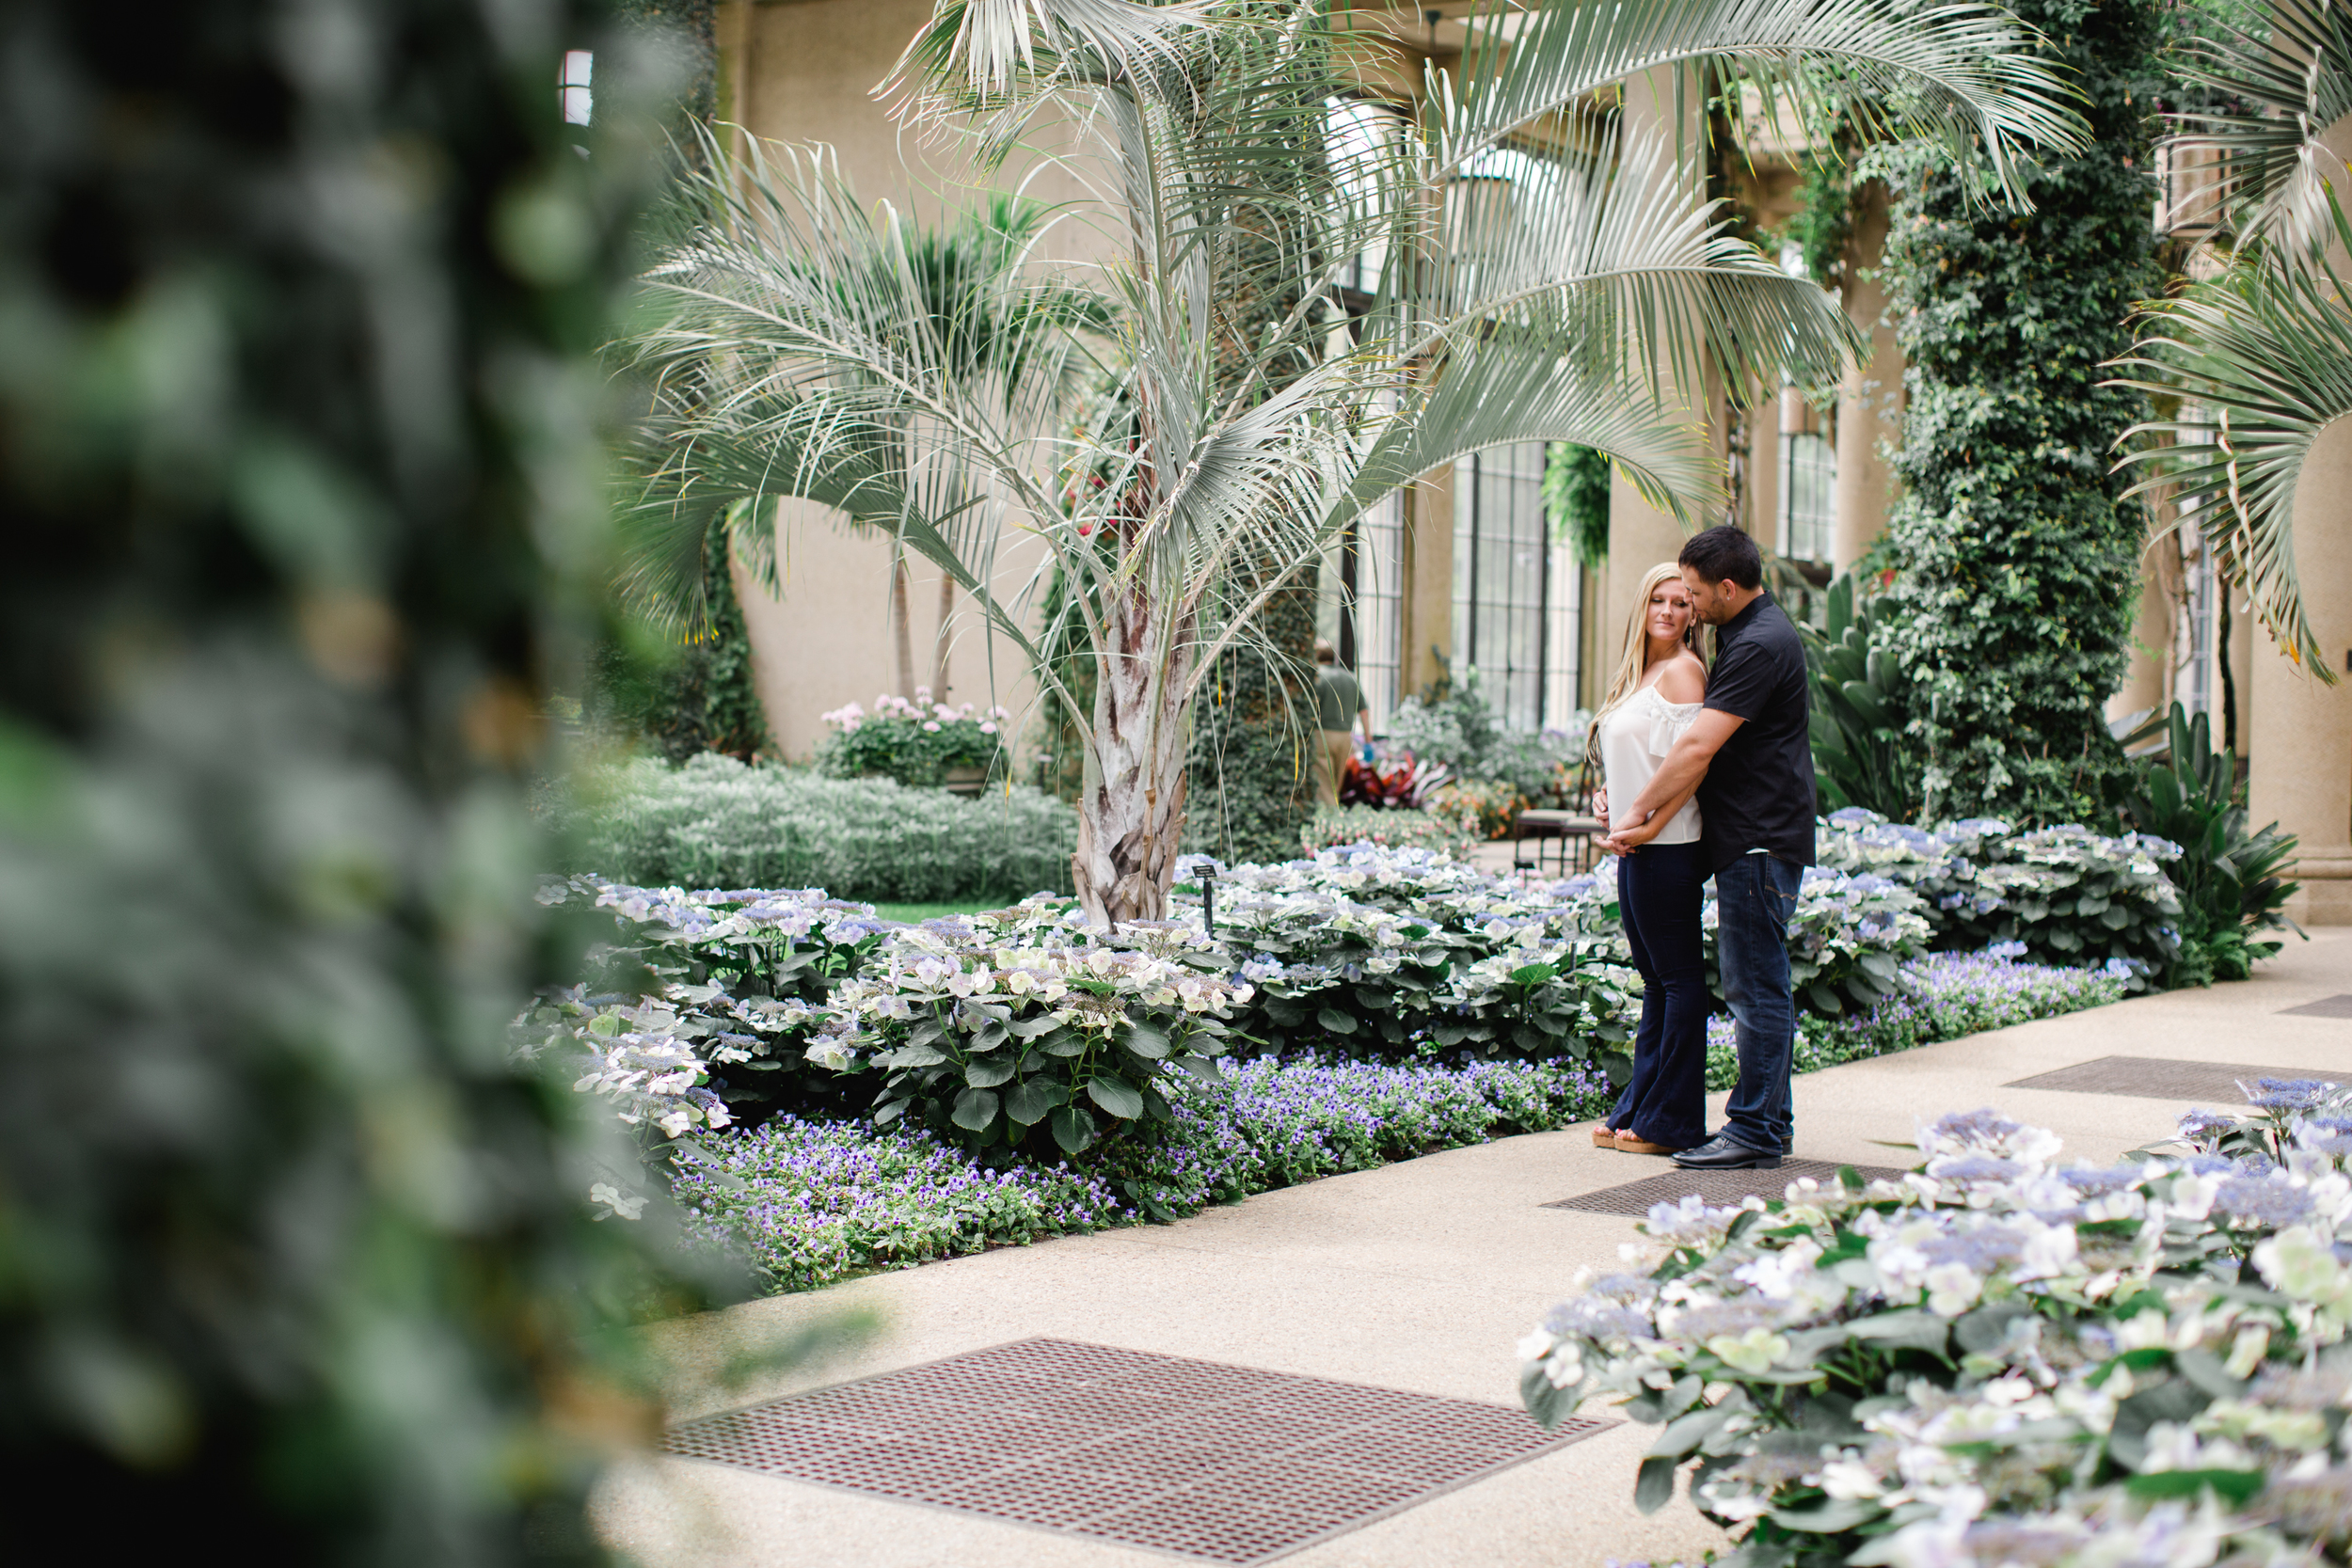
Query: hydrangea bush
(2070,895)
(701,1009)
(1845,940)
(1387,827)
(1405,954)
(993,1024)
(2000,1358)
(915,742)
(1027,1023)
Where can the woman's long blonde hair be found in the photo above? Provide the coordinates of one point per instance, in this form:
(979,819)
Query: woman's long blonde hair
(1632,664)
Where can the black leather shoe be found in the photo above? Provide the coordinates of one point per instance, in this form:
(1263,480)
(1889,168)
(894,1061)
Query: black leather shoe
(1722,1153)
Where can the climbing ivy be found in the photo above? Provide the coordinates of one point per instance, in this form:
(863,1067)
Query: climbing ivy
(2018,569)
(1576,498)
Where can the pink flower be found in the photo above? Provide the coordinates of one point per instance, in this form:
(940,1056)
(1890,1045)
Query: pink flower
(988,729)
(931,726)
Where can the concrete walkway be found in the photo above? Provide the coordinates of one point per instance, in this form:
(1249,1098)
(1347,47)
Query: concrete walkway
(1420,1276)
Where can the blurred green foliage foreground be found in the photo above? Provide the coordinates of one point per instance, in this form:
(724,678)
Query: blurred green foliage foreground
(300,453)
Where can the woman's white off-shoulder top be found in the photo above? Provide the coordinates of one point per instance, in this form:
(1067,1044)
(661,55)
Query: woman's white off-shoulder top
(1634,739)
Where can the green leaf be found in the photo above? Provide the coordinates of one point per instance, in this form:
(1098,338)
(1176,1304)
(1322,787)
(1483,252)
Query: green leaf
(1654,1485)
(1115,1095)
(1830,1518)
(1073,1129)
(1686,1432)
(1029,1101)
(1913,1329)
(1147,1039)
(1336,1021)
(1549,1404)
(988,1074)
(2236,1487)
(976,1110)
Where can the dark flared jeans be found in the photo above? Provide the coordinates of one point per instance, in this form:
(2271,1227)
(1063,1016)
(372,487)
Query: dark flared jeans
(1754,897)
(1659,888)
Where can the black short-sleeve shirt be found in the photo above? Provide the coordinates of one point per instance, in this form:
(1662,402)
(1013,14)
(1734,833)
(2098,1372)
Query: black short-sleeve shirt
(1758,791)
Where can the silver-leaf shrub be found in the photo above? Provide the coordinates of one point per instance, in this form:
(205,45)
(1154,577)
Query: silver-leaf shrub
(2000,1358)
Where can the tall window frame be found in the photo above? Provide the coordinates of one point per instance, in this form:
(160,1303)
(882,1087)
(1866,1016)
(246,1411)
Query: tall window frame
(1516,605)
(1808,496)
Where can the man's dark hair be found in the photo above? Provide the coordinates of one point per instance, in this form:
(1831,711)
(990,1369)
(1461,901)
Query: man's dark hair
(1723,554)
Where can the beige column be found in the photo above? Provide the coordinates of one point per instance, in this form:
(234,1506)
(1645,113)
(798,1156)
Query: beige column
(2238,658)
(1426,619)
(2148,677)
(1764,476)
(1870,399)
(1640,535)
(2302,728)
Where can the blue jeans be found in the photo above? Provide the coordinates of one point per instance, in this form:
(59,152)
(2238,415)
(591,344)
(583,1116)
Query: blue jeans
(1660,889)
(1754,896)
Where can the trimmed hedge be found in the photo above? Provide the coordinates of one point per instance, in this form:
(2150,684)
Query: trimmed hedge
(717,822)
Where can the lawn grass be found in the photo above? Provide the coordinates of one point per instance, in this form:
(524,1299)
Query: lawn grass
(913,913)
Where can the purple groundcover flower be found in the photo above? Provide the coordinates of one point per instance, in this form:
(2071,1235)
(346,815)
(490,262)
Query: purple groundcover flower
(1939,997)
(814,1201)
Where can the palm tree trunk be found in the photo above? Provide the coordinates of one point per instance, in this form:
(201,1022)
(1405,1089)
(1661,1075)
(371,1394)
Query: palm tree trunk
(898,621)
(940,639)
(1131,814)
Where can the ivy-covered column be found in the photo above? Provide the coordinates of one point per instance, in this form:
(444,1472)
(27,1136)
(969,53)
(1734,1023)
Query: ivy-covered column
(2018,570)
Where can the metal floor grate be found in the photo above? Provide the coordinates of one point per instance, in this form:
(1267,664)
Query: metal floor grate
(2326,1007)
(1718,1187)
(2162,1078)
(1194,1458)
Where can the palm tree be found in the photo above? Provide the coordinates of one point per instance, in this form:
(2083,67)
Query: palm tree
(2256,361)
(1566,312)
(991,330)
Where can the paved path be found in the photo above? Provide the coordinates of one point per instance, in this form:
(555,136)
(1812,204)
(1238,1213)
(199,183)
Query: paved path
(1419,1276)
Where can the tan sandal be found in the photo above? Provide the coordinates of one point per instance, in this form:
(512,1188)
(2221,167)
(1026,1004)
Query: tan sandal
(1633,1143)
(1604,1136)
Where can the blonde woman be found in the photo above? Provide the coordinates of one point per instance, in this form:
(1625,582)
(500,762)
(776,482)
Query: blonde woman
(1653,698)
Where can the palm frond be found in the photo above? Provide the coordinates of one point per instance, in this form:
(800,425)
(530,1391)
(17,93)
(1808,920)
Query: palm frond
(1963,74)
(1617,258)
(2262,360)
(2294,80)
(1501,395)
(798,344)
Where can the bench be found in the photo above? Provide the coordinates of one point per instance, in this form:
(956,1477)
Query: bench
(1573,832)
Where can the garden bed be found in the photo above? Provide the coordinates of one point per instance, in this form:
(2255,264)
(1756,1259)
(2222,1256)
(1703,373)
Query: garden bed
(810,1202)
(848,1093)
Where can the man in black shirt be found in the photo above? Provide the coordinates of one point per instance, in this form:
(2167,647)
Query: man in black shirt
(1752,751)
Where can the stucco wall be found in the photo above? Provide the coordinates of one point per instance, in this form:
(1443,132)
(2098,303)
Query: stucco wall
(803,72)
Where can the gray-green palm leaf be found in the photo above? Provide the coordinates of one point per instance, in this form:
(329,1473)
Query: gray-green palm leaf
(2292,73)
(2260,361)
(1963,74)
(2257,361)
(1258,434)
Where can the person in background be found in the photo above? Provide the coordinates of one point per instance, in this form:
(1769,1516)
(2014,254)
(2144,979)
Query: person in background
(1652,699)
(1339,701)
(1751,757)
